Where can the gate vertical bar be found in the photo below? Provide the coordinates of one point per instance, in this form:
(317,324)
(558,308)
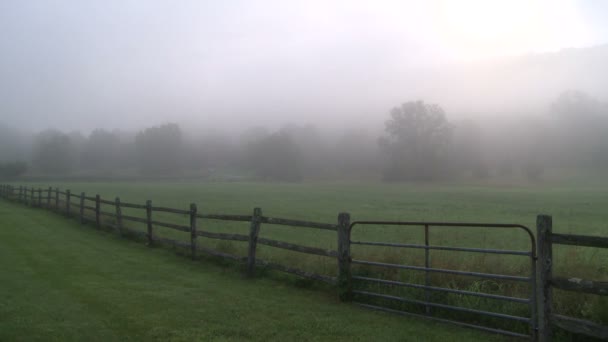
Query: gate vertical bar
(544,227)
(427,264)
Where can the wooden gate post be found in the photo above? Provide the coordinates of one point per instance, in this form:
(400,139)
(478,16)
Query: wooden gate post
(68,195)
(97,210)
(254,231)
(544,227)
(193,211)
(149,221)
(345,285)
(118,215)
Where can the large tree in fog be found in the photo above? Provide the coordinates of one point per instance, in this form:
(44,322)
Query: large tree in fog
(275,157)
(53,152)
(159,149)
(418,136)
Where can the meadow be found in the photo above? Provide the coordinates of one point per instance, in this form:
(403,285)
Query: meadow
(61,282)
(577,207)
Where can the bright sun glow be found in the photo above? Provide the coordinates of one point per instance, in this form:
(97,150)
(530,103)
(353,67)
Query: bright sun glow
(478,28)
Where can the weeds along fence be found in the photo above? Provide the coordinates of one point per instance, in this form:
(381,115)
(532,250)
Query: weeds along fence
(89,209)
(195,229)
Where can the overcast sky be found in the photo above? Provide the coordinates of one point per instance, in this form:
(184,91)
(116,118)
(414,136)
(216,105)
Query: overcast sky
(102,63)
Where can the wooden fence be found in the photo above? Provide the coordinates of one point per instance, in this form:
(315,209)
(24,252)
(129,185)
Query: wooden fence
(80,205)
(546,238)
(63,201)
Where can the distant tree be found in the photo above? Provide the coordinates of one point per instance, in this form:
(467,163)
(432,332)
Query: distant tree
(101,151)
(417,142)
(53,152)
(158,149)
(275,157)
(12,170)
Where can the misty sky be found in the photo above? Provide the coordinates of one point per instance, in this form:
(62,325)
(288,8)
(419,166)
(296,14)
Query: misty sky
(130,64)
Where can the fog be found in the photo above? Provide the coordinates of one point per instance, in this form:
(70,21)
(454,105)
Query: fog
(302,90)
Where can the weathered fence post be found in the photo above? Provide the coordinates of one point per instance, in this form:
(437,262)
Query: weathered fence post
(544,227)
(97,209)
(56,199)
(39,197)
(82,207)
(68,195)
(149,221)
(118,216)
(254,230)
(193,211)
(345,285)
(48,198)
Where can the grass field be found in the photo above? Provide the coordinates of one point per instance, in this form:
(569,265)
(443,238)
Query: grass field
(61,281)
(577,207)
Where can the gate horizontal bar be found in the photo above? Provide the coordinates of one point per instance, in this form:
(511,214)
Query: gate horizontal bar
(445,306)
(443,320)
(443,289)
(440,270)
(443,248)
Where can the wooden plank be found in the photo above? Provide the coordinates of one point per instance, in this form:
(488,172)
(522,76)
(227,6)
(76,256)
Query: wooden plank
(135,219)
(223,236)
(89,198)
(297,248)
(132,205)
(118,215)
(581,285)
(345,282)
(97,210)
(544,227)
(254,230)
(89,207)
(244,218)
(172,226)
(298,223)
(580,326)
(82,207)
(171,210)
(149,222)
(102,201)
(297,271)
(105,213)
(193,235)
(580,240)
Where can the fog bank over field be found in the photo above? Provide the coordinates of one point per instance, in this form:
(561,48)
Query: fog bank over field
(302,90)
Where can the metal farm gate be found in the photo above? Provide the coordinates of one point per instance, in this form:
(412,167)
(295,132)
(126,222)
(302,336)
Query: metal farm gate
(371,295)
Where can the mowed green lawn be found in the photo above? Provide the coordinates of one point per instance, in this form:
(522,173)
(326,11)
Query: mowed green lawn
(62,281)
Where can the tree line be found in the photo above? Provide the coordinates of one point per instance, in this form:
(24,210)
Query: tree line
(418,143)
